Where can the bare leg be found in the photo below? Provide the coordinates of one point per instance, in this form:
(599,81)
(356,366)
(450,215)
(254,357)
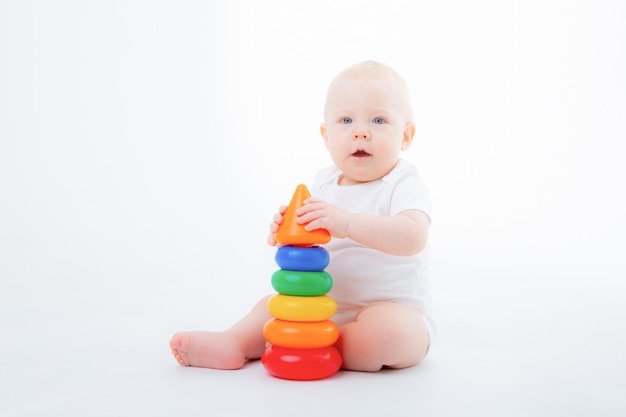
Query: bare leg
(224,350)
(383,334)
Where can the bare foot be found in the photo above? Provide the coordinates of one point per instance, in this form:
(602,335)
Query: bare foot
(217,350)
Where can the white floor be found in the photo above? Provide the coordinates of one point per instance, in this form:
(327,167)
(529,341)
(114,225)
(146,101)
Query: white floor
(525,347)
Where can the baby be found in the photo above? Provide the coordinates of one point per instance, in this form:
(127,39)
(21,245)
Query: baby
(376,208)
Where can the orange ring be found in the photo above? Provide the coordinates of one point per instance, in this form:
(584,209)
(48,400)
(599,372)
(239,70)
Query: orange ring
(301,335)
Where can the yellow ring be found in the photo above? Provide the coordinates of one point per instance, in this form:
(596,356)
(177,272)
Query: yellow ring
(293,308)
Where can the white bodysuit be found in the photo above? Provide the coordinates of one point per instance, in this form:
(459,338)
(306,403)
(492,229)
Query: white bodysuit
(362,275)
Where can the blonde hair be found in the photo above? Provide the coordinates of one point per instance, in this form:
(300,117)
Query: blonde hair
(376,69)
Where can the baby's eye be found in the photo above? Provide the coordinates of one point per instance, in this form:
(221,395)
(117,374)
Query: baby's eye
(345,120)
(378,120)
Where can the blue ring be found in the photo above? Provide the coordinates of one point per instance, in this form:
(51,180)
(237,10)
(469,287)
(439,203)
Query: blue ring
(297,258)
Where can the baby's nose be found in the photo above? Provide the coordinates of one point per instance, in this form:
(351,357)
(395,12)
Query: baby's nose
(361,134)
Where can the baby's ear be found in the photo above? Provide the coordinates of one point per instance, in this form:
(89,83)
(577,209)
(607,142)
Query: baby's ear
(407,135)
(323,132)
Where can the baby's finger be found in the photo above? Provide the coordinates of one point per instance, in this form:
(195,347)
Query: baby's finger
(312,200)
(314,225)
(274,227)
(311,207)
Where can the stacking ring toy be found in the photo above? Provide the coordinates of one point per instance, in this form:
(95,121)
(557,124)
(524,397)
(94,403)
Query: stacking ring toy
(299,335)
(293,308)
(301,364)
(301,283)
(297,258)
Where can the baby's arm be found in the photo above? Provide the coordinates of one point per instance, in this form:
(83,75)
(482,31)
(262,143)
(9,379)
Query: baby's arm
(403,234)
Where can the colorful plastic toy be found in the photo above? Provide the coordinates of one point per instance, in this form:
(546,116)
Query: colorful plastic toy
(294,308)
(292,233)
(301,283)
(297,258)
(301,335)
(301,364)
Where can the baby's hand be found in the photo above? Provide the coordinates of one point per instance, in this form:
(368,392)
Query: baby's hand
(275,225)
(317,214)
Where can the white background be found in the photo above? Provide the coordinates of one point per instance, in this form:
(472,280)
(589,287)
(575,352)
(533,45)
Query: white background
(144,147)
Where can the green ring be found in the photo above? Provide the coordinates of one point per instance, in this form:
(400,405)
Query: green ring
(302,283)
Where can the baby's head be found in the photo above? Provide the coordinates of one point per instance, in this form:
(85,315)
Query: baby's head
(372,71)
(367,121)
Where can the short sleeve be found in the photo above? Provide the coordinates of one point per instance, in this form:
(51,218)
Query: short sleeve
(410,193)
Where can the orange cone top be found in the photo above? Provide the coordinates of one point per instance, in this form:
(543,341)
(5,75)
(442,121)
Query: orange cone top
(292,233)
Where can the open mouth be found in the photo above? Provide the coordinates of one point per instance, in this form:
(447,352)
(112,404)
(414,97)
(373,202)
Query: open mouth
(360,154)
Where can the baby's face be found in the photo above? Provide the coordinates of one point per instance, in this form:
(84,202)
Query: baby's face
(366,126)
